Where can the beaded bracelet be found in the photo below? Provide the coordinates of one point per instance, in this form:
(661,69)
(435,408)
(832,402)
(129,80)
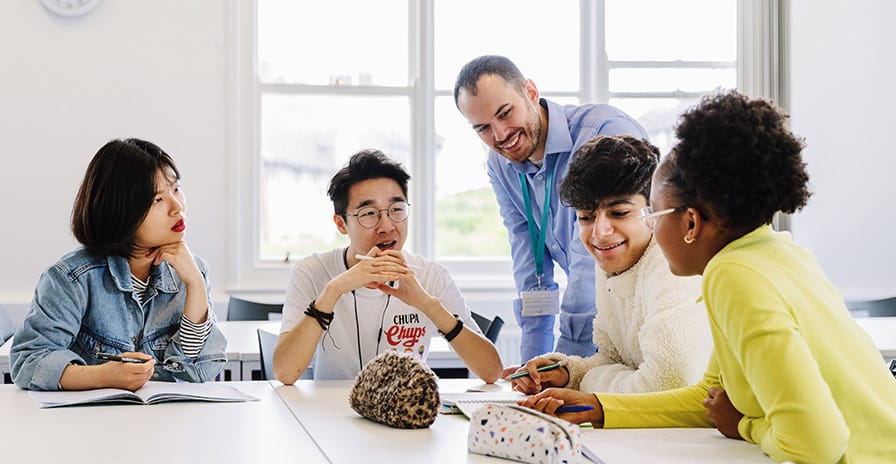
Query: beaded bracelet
(323,319)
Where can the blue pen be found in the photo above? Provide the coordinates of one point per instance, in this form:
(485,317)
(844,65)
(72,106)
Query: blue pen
(574,408)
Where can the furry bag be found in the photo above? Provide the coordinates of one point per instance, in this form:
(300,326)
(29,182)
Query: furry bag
(397,390)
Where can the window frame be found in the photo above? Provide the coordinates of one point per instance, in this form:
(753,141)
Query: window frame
(757,22)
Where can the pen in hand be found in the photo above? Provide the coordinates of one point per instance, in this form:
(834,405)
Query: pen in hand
(546,367)
(115,357)
(574,408)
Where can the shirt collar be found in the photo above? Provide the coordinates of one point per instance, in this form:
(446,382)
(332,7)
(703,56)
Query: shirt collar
(161,277)
(558,141)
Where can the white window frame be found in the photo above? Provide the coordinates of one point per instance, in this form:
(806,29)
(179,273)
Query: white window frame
(760,69)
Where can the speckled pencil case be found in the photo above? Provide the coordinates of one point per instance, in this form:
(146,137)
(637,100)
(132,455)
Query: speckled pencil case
(521,434)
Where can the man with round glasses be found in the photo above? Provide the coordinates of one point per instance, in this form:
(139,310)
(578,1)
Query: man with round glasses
(350,304)
(369,216)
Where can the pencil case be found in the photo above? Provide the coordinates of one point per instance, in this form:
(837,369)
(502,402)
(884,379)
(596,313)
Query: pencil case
(521,434)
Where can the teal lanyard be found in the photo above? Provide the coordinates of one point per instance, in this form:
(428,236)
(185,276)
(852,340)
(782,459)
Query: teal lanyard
(536,237)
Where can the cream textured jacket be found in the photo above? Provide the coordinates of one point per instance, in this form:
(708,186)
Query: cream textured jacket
(651,331)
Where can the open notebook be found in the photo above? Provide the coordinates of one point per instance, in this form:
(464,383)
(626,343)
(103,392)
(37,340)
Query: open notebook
(467,403)
(151,393)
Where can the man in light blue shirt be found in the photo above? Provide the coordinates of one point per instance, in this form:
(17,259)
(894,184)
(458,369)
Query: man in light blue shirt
(531,141)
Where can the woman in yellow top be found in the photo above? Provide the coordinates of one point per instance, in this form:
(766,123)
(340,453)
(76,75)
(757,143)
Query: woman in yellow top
(790,370)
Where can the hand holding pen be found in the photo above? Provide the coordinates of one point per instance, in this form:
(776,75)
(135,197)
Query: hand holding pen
(576,407)
(123,359)
(129,370)
(539,373)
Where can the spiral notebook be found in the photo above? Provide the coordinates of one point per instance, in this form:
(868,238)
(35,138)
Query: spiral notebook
(467,403)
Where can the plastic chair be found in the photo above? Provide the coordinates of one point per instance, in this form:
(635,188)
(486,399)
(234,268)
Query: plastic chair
(239,309)
(6,328)
(489,327)
(885,307)
(267,342)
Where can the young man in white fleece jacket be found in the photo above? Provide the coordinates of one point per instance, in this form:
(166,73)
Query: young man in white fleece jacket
(652,333)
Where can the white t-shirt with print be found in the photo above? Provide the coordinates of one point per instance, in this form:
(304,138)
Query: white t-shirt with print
(379,324)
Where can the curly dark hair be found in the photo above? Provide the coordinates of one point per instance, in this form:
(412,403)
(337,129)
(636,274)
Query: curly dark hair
(736,156)
(608,167)
(364,165)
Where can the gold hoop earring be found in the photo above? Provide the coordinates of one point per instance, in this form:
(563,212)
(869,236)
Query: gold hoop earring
(689,240)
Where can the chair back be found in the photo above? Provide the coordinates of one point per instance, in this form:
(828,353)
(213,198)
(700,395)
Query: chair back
(239,309)
(266,344)
(885,307)
(6,327)
(489,327)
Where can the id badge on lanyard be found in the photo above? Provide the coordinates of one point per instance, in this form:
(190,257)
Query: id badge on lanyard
(539,301)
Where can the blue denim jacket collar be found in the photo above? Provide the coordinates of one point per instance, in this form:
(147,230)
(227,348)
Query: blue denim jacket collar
(162,277)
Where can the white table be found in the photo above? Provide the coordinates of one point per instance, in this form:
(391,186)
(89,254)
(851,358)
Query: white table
(184,432)
(322,408)
(242,346)
(883,332)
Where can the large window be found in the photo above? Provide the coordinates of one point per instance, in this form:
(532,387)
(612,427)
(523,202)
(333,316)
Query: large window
(335,77)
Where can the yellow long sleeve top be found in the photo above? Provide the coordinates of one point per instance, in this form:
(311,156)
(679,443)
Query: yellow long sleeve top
(809,381)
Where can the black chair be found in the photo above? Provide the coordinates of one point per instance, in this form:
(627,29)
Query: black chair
(489,327)
(885,307)
(239,309)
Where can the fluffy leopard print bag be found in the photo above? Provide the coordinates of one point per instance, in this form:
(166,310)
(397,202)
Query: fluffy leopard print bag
(398,390)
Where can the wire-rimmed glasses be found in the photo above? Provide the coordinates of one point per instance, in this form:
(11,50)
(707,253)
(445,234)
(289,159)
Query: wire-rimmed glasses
(369,217)
(648,215)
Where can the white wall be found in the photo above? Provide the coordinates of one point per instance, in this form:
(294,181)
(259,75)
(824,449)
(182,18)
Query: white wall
(160,70)
(156,70)
(842,72)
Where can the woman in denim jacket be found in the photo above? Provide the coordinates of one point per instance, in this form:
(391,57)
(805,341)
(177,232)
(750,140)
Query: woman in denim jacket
(134,289)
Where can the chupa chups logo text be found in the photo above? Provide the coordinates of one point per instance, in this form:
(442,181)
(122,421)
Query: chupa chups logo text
(406,336)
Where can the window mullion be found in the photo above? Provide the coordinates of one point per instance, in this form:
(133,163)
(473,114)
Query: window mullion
(594,44)
(423,127)
(589,27)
